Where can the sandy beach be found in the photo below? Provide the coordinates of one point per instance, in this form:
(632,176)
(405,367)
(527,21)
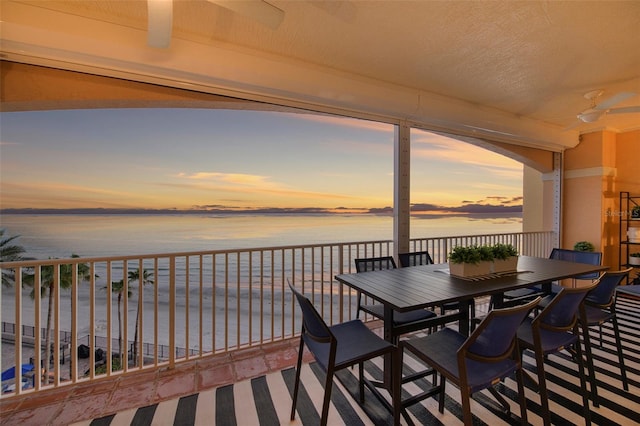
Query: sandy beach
(192,318)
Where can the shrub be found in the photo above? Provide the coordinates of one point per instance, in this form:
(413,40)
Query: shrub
(116,365)
(471,254)
(462,254)
(583,246)
(476,254)
(503,251)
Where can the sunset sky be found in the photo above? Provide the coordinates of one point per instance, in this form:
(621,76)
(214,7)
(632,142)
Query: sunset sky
(199,158)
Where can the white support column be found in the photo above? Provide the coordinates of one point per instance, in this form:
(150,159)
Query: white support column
(557,197)
(401,188)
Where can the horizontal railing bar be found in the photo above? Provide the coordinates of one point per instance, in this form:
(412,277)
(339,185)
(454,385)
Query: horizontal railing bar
(69,260)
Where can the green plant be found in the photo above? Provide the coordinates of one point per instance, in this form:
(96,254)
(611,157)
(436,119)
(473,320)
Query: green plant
(486,253)
(462,254)
(116,365)
(635,254)
(503,251)
(471,254)
(635,212)
(583,246)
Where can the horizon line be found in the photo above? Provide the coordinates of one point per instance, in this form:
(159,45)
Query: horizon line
(417,209)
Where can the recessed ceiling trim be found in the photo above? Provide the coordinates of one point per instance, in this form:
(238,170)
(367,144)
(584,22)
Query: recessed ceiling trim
(256,76)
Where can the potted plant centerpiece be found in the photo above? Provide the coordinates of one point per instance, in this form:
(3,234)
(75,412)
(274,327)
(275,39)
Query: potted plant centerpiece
(471,261)
(583,246)
(634,259)
(505,258)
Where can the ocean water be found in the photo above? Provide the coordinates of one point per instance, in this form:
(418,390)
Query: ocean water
(59,236)
(45,236)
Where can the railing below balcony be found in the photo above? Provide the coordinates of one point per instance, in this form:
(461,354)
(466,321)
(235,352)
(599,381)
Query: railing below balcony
(190,305)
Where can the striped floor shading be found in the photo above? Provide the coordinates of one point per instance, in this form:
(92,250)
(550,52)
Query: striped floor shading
(266,400)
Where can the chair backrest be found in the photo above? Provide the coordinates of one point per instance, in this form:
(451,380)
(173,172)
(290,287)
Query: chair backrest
(375,264)
(602,296)
(494,339)
(314,326)
(589,257)
(415,258)
(561,313)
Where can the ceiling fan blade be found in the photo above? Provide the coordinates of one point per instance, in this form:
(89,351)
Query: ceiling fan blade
(591,115)
(159,22)
(624,110)
(258,10)
(615,99)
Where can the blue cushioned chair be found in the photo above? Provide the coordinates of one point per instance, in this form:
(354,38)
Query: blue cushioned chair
(554,329)
(591,258)
(415,258)
(474,363)
(631,292)
(600,308)
(334,348)
(373,264)
(377,310)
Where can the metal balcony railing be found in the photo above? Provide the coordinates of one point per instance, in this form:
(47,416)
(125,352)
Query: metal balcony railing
(155,310)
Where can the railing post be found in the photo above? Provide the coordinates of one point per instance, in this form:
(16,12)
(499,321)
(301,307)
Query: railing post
(172,312)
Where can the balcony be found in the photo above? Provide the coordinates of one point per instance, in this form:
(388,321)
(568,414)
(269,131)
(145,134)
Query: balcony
(209,319)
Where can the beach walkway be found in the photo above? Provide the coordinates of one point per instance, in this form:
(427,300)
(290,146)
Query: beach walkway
(104,397)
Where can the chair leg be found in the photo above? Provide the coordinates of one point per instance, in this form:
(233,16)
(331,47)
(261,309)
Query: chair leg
(361,381)
(327,398)
(600,336)
(472,316)
(297,381)
(505,405)
(590,367)
(583,385)
(467,418)
(623,370)
(542,387)
(521,395)
(443,382)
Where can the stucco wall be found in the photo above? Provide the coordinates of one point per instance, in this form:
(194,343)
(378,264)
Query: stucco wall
(595,172)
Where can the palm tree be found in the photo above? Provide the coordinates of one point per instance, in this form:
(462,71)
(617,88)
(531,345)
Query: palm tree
(9,253)
(146,279)
(47,280)
(118,288)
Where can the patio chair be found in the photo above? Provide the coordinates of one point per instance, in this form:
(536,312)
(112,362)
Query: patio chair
(631,292)
(377,310)
(474,363)
(334,348)
(524,294)
(556,328)
(417,258)
(600,308)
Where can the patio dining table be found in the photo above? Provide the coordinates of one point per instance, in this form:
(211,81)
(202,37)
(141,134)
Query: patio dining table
(427,286)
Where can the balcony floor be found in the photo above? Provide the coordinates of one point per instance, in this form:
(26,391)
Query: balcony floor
(253,387)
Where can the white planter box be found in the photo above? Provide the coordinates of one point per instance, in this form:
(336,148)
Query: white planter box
(467,270)
(634,260)
(507,265)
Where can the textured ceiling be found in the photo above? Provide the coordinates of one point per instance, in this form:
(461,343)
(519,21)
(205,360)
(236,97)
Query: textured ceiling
(529,58)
